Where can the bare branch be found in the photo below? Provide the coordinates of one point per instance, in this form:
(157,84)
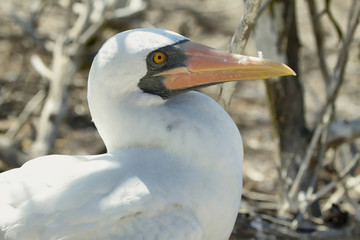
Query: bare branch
(134,8)
(41,68)
(319,33)
(257,196)
(238,44)
(27,111)
(332,19)
(337,80)
(242,32)
(343,131)
(64,68)
(313,197)
(347,170)
(338,75)
(28,28)
(66,60)
(11,155)
(82,21)
(309,153)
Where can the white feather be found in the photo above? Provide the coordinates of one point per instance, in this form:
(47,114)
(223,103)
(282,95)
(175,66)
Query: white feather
(173,170)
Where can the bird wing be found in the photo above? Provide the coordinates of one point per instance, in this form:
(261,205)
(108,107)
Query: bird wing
(111,196)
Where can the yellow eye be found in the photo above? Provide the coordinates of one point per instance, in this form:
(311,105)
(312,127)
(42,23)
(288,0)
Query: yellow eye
(159,58)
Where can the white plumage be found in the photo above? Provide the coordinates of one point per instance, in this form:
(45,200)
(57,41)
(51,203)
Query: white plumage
(172,171)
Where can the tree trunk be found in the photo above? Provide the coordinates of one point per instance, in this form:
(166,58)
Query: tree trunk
(277,37)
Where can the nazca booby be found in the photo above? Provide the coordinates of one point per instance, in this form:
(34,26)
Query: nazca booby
(174,163)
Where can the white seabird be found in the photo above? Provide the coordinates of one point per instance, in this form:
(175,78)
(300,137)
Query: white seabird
(174,161)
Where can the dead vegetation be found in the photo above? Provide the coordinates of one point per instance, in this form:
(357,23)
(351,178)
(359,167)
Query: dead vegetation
(301,135)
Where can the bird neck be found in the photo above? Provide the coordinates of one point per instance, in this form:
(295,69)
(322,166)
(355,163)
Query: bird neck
(189,125)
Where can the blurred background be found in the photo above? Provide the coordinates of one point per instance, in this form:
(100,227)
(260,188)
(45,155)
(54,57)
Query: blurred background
(46,49)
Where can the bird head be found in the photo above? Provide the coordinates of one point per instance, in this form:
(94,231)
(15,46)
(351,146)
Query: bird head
(164,63)
(137,70)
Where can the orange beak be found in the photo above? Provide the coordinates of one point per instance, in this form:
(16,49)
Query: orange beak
(207,66)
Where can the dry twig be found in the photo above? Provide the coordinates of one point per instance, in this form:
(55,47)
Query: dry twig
(238,44)
(29,108)
(342,132)
(324,119)
(319,33)
(84,20)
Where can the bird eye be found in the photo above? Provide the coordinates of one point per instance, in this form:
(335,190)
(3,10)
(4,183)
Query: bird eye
(159,58)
